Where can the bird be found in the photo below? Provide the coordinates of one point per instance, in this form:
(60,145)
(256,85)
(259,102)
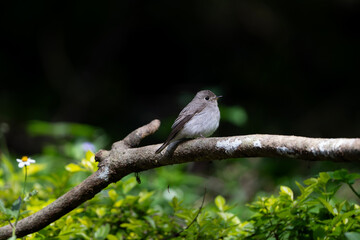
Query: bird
(199,118)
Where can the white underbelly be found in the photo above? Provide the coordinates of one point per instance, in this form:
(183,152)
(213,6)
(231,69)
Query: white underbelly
(202,124)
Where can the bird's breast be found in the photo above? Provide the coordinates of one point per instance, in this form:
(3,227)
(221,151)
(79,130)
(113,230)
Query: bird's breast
(202,124)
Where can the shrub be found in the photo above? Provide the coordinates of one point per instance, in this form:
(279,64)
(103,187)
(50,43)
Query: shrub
(121,211)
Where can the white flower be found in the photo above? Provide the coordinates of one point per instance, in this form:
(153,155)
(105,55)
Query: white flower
(25,161)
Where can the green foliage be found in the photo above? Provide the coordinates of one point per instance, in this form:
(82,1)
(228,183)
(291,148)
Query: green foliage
(60,129)
(128,210)
(234,114)
(314,214)
(122,212)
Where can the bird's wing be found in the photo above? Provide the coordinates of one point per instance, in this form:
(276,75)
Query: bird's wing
(179,125)
(175,130)
(185,115)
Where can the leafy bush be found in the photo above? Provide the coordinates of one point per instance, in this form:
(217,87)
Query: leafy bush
(128,210)
(315,214)
(122,211)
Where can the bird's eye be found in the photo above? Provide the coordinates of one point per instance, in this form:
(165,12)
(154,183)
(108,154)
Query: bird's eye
(207,98)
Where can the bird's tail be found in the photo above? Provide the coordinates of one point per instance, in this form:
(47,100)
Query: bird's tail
(162,147)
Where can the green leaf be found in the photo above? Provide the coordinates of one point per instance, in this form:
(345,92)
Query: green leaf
(72,167)
(12,237)
(129,199)
(112,194)
(220,203)
(129,184)
(187,216)
(102,232)
(341,205)
(324,177)
(151,221)
(229,217)
(301,188)
(78,234)
(16,204)
(286,191)
(9,214)
(100,212)
(144,196)
(175,203)
(2,207)
(119,203)
(111,237)
(319,233)
(351,178)
(338,174)
(352,235)
(327,205)
(310,181)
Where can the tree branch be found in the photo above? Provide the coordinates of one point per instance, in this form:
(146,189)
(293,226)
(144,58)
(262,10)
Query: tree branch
(124,159)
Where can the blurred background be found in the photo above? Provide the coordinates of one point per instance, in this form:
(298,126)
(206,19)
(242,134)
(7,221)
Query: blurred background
(92,71)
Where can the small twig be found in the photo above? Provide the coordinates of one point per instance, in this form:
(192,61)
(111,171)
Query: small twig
(200,208)
(134,138)
(354,191)
(192,222)
(11,224)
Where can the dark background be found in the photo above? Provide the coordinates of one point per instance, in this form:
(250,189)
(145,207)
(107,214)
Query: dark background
(292,65)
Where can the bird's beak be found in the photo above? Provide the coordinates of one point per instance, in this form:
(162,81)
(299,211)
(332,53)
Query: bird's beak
(217,97)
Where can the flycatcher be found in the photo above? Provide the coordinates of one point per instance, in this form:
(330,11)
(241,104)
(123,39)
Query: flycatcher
(200,118)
